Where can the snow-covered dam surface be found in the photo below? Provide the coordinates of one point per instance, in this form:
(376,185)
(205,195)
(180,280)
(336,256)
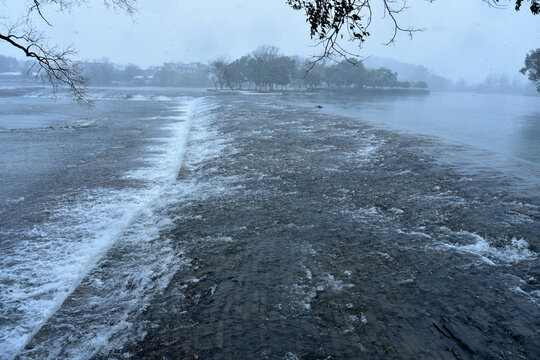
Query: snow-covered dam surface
(180,225)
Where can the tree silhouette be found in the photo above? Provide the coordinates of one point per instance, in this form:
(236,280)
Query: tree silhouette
(532,67)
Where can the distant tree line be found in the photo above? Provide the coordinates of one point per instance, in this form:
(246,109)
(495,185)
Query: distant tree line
(267,69)
(9,64)
(263,69)
(105,73)
(168,74)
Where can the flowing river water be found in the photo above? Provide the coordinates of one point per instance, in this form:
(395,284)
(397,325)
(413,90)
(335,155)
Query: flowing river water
(183,224)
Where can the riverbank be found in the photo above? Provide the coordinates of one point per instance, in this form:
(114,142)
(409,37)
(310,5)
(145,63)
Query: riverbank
(351,91)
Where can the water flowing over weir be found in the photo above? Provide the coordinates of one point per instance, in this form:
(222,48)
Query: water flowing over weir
(345,241)
(264,227)
(71,285)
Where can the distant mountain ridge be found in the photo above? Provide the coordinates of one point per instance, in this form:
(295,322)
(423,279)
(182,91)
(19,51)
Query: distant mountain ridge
(410,72)
(494,83)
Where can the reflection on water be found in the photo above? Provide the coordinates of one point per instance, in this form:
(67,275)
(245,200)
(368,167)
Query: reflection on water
(527,140)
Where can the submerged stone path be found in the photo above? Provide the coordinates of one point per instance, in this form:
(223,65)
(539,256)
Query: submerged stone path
(317,237)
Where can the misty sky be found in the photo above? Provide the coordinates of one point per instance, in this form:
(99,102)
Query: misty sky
(469,40)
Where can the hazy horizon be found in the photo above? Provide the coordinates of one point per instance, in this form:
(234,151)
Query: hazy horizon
(475,42)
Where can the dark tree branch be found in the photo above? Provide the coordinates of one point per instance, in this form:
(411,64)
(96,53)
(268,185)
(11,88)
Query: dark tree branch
(53,65)
(332,21)
(534,6)
(37,7)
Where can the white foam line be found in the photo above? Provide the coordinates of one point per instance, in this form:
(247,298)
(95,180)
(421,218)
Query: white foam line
(517,251)
(167,173)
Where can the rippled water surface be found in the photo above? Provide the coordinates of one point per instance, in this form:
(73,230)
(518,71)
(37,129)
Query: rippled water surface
(504,124)
(181,224)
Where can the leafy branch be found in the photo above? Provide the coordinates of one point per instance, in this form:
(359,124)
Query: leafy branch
(332,21)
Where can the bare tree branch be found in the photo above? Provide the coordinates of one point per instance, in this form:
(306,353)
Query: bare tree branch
(37,7)
(54,65)
(332,21)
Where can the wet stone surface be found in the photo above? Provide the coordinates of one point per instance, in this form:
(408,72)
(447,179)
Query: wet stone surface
(319,237)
